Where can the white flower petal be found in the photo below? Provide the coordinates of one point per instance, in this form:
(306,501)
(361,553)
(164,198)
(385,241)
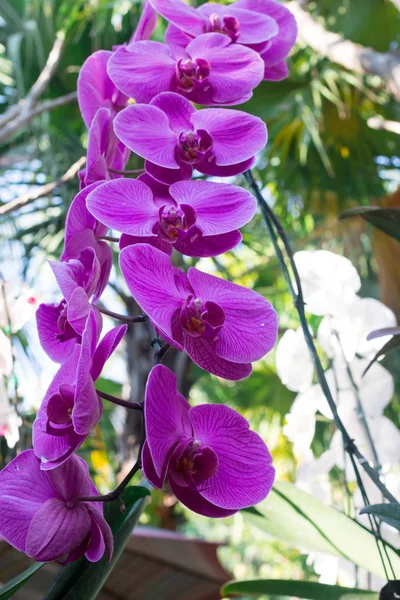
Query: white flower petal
(293,362)
(329,281)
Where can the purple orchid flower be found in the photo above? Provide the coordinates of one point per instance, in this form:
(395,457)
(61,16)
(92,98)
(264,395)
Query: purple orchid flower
(82,231)
(215,464)
(60,326)
(266,26)
(210,70)
(71,406)
(95,88)
(223,327)
(105,152)
(174,138)
(147,23)
(197,218)
(37,515)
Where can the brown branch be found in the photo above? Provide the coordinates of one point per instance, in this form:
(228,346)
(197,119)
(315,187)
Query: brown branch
(46,75)
(25,106)
(346,53)
(25,117)
(44,190)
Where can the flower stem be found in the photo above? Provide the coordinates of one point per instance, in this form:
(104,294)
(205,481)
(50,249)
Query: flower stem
(126,318)
(272,222)
(159,355)
(129,172)
(107,238)
(124,403)
(360,409)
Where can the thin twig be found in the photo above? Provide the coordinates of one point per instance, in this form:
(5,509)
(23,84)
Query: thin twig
(380,123)
(25,106)
(158,357)
(126,318)
(116,494)
(10,339)
(107,238)
(49,69)
(129,172)
(25,117)
(44,190)
(298,300)
(119,402)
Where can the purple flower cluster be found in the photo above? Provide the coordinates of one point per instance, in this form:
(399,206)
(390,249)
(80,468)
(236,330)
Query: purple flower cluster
(214,55)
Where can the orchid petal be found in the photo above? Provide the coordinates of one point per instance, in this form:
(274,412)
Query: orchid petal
(23,489)
(219,207)
(237,136)
(166,427)
(251,324)
(146,131)
(126,205)
(143,69)
(150,278)
(56,530)
(245,474)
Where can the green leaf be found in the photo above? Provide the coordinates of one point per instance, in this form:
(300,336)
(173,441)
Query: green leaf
(393,344)
(83,579)
(389,513)
(299,519)
(8,590)
(385,219)
(311,590)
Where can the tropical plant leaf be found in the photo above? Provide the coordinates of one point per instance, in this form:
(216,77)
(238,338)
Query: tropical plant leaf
(311,590)
(9,589)
(389,513)
(84,579)
(392,344)
(385,219)
(299,519)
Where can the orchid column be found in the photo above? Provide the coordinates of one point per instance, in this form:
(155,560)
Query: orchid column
(139,99)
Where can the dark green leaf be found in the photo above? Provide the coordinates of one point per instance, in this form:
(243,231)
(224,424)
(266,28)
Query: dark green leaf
(393,344)
(389,513)
(8,590)
(385,219)
(84,579)
(292,516)
(311,590)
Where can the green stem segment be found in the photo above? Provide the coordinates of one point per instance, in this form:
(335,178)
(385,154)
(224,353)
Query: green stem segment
(277,232)
(125,318)
(119,402)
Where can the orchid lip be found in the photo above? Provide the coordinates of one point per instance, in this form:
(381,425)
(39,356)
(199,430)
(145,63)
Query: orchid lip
(189,72)
(226,25)
(176,222)
(202,319)
(195,145)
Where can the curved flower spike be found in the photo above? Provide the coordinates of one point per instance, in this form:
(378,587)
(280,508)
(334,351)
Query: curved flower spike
(210,70)
(174,138)
(36,515)
(197,218)
(223,327)
(215,464)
